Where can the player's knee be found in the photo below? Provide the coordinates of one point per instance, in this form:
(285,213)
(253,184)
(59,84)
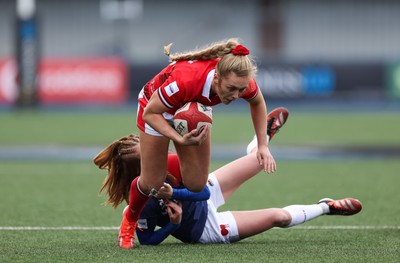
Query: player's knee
(281,218)
(196,187)
(195,182)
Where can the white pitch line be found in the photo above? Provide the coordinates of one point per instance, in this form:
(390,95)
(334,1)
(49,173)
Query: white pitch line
(58,228)
(347,227)
(112,228)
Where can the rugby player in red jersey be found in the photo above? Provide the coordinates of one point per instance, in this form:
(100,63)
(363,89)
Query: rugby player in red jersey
(220,73)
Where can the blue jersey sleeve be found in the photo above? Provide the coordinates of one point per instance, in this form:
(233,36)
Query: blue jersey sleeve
(156,237)
(186,195)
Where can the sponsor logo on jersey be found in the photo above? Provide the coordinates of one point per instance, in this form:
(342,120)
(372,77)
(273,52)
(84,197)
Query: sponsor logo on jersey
(142,223)
(171,89)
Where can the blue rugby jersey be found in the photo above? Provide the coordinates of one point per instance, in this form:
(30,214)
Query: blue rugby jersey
(155,214)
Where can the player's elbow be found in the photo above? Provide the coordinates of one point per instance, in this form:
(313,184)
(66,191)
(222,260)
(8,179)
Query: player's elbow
(146,115)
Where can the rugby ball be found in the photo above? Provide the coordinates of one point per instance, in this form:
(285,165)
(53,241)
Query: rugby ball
(192,115)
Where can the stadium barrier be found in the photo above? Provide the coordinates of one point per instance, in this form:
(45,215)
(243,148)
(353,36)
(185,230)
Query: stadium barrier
(105,81)
(66,81)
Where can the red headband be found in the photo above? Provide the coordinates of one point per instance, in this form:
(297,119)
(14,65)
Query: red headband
(240,50)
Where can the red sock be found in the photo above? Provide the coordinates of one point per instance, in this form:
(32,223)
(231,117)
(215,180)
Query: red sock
(137,200)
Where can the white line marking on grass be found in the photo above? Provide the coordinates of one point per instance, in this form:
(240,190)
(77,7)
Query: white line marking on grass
(114,228)
(347,227)
(58,228)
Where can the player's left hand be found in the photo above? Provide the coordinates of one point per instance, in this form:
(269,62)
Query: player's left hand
(266,159)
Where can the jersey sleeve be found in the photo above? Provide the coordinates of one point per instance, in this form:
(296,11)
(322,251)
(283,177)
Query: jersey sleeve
(171,94)
(173,90)
(152,237)
(184,194)
(251,90)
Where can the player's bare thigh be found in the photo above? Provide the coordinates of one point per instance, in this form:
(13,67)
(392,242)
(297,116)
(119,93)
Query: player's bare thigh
(253,222)
(232,175)
(154,157)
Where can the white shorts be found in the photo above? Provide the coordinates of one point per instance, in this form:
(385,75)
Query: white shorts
(220,227)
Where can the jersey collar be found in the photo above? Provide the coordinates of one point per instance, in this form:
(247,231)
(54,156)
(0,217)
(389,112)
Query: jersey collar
(207,84)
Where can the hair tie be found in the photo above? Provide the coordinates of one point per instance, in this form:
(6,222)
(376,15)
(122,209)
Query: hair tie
(240,50)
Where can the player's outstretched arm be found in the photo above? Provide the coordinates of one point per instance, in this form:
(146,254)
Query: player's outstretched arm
(182,194)
(151,237)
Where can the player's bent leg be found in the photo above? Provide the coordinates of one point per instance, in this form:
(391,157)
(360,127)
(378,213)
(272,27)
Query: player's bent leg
(153,167)
(275,121)
(232,175)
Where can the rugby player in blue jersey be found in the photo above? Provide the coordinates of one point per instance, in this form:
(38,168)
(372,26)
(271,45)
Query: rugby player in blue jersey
(193,217)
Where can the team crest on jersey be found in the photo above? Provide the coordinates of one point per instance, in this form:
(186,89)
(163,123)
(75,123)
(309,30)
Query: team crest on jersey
(171,89)
(142,223)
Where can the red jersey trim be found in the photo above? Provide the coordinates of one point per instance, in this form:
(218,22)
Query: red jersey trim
(255,95)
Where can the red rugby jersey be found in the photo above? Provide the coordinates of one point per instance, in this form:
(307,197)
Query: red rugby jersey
(185,81)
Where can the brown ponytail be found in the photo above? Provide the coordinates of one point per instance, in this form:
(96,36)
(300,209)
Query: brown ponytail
(122,160)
